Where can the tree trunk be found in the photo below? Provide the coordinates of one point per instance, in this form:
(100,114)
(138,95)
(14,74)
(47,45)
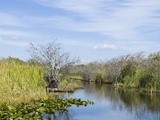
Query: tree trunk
(52,84)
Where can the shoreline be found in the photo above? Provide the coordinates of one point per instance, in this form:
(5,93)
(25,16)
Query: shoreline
(119,85)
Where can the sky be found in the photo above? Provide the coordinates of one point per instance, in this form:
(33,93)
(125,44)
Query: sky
(90,29)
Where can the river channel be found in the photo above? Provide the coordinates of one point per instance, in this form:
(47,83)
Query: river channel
(111,104)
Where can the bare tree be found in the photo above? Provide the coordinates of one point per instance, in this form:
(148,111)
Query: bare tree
(53,59)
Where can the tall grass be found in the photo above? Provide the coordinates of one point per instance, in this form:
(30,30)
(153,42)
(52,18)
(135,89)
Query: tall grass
(20,81)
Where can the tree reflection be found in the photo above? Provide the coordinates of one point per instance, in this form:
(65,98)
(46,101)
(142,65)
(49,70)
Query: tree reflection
(144,106)
(59,116)
(135,102)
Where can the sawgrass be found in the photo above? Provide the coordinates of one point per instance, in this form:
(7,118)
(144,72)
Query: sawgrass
(24,81)
(20,81)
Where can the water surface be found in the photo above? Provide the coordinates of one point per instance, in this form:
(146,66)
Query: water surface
(111,104)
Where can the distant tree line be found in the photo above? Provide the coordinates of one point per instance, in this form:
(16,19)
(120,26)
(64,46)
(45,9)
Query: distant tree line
(132,70)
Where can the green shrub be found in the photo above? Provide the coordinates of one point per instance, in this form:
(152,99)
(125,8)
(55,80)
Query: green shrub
(98,77)
(145,80)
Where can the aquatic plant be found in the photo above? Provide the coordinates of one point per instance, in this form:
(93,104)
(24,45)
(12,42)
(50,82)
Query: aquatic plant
(37,108)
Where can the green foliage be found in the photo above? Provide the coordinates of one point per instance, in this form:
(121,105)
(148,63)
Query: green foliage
(145,80)
(133,81)
(37,108)
(69,84)
(99,77)
(18,78)
(129,71)
(155,56)
(142,79)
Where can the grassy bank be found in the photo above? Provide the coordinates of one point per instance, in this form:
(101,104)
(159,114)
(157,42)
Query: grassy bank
(70,83)
(23,94)
(22,82)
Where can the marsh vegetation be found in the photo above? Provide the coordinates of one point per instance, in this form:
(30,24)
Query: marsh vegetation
(23,83)
(130,71)
(37,108)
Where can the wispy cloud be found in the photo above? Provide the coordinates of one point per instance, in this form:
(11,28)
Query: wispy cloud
(84,25)
(118,20)
(12,30)
(5,32)
(13,43)
(77,42)
(8,19)
(13,40)
(106,47)
(15,37)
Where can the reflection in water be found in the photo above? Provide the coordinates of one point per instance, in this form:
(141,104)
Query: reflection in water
(58,116)
(111,104)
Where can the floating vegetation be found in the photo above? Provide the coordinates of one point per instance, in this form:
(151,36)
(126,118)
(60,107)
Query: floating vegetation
(37,108)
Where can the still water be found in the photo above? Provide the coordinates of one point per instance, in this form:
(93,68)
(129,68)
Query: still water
(111,104)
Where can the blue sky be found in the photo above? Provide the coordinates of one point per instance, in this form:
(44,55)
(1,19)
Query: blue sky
(91,29)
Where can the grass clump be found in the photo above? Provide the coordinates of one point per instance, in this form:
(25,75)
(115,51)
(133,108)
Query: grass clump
(24,81)
(20,81)
(68,84)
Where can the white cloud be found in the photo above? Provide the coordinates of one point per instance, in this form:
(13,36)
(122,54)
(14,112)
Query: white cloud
(76,42)
(118,20)
(83,6)
(4,32)
(12,31)
(132,25)
(13,43)
(127,25)
(15,37)
(106,46)
(10,20)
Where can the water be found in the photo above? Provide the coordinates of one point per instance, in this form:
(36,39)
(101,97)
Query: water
(111,104)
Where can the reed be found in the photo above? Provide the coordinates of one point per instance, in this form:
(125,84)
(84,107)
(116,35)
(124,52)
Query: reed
(70,84)
(20,81)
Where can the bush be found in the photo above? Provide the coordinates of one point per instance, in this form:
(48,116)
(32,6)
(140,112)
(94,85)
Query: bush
(98,78)
(145,80)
